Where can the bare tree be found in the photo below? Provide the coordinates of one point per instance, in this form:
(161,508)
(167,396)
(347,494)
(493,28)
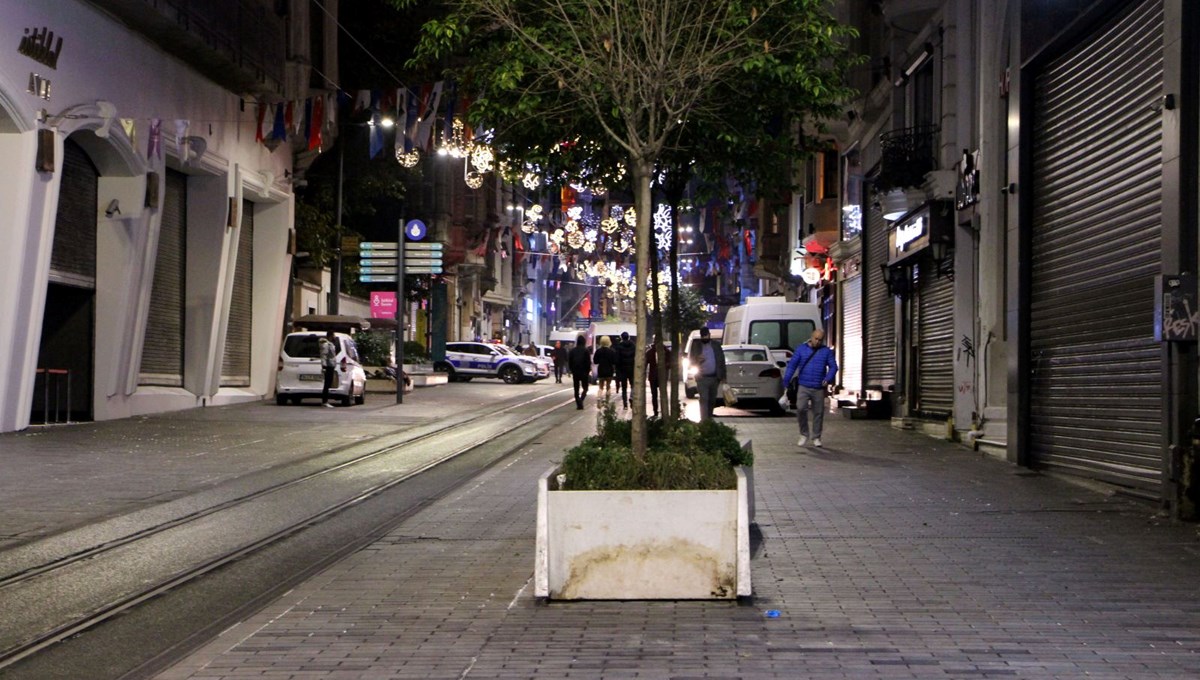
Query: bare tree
(636,71)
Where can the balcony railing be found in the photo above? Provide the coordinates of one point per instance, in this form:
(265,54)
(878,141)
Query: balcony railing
(906,156)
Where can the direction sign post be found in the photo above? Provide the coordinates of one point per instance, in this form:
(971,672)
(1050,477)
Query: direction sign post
(400,305)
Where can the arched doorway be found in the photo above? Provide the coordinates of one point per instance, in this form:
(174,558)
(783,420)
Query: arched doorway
(64,385)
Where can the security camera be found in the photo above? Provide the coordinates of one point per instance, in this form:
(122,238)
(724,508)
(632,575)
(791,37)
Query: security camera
(114,208)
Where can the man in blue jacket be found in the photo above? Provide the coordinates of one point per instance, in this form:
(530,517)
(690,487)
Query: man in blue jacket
(814,367)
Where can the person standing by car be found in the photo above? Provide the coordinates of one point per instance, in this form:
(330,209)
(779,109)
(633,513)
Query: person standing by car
(328,353)
(626,352)
(559,355)
(710,373)
(652,370)
(605,359)
(579,361)
(814,366)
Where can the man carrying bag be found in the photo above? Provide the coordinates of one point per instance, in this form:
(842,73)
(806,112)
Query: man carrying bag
(814,366)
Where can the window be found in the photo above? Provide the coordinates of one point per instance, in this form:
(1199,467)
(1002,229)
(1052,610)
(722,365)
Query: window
(780,334)
(302,346)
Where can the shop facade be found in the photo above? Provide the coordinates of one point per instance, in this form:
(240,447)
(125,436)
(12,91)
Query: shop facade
(147,232)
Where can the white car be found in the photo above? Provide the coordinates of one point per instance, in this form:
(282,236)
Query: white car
(466,360)
(300,375)
(754,376)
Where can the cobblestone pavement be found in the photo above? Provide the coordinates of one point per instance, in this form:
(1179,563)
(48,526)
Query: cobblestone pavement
(886,554)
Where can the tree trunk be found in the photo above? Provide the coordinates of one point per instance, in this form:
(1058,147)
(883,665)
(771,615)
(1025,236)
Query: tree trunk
(642,169)
(659,356)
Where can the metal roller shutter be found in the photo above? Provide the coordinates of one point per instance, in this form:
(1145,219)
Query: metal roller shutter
(1095,392)
(852,301)
(235,366)
(935,335)
(162,354)
(879,317)
(73,257)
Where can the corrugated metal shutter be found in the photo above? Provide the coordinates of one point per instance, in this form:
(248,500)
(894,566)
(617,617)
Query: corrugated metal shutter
(73,257)
(935,335)
(851,368)
(1095,394)
(235,366)
(162,353)
(880,319)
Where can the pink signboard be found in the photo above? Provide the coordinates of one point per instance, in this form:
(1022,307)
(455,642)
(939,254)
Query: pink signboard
(383,305)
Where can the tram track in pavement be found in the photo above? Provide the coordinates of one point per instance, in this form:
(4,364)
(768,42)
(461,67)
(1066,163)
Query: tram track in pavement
(42,613)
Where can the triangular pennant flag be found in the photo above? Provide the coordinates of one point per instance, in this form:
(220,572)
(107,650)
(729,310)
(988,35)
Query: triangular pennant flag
(129,125)
(314,138)
(308,112)
(362,100)
(289,118)
(258,128)
(279,129)
(181,133)
(429,111)
(376,135)
(154,146)
(330,111)
(411,116)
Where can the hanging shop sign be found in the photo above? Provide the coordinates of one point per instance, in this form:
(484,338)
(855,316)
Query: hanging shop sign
(915,231)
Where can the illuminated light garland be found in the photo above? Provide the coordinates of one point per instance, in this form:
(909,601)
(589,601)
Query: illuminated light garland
(531,181)
(408,160)
(575,212)
(474,180)
(571,227)
(575,239)
(535,212)
(609,225)
(616,212)
(631,217)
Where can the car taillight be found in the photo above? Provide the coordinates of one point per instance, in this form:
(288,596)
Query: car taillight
(770,373)
(280,365)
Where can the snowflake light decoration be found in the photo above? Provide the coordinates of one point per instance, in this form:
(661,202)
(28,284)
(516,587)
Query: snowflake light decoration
(531,181)
(631,217)
(474,180)
(575,212)
(482,157)
(609,225)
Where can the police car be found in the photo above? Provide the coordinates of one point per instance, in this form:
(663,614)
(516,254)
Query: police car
(466,360)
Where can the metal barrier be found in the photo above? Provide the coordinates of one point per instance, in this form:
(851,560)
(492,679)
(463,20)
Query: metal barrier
(58,376)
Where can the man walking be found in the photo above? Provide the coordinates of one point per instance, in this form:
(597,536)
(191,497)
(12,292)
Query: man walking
(559,355)
(579,360)
(626,352)
(814,367)
(710,373)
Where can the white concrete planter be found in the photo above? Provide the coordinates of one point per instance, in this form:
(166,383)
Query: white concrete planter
(643,545)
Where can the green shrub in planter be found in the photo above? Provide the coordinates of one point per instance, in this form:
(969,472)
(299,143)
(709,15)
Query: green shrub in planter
(680,455)
(374,347)
(414,351)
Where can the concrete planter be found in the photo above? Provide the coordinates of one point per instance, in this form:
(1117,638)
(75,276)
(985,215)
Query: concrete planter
(643,545)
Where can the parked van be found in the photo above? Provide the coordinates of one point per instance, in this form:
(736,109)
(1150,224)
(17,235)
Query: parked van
(774,322)
(563,335)
(610,328)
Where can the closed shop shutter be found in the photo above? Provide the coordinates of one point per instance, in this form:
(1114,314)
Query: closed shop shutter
(1096,387)
(235,367)
(935,335)
(852,301)
(162,354)
(73,258)
(880,361)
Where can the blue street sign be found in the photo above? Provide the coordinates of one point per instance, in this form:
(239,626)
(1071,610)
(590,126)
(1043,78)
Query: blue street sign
(378,270)
(435,269)
(415,230)
(377,278)
(417,247)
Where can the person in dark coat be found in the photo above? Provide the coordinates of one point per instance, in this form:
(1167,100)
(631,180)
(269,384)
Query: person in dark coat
(579,361)
(626,352)
(605,359)
(559,355)
(710,373)
(652,371)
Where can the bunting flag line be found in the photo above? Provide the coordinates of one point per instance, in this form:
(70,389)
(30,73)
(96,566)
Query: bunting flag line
(376,134)
(429,111)
(129,125)
(289,118)
(308,113)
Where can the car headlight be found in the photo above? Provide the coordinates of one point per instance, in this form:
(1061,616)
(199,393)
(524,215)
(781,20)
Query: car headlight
(693,370)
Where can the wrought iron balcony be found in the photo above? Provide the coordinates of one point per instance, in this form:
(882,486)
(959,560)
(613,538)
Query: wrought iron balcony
(906,156)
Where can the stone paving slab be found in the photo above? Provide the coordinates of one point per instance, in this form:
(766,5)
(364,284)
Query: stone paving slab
(887,554)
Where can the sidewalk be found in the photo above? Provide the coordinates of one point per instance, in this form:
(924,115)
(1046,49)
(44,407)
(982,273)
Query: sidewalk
(887,554)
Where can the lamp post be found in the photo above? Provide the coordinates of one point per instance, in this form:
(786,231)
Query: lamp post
(386,122)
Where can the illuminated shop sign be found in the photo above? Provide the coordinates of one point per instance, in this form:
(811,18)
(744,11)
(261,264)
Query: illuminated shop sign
(916,230)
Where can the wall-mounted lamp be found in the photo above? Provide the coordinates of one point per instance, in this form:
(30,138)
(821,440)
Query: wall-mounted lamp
(938,249)
(916,64)
(113,209)
(896,280)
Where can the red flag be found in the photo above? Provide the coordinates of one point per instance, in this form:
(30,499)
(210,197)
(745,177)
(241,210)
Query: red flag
(314,135)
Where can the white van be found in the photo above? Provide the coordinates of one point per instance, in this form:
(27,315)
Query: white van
(610,328)
(774,322)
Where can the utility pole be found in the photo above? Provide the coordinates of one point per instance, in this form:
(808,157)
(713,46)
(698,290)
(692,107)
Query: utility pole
(335,284)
